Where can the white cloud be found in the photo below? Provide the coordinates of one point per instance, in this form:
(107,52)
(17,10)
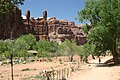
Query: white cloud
(42,17)
(24,17)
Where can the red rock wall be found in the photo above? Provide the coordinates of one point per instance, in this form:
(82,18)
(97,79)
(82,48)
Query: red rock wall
(40,27)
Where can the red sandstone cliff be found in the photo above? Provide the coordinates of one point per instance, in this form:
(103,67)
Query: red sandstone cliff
(43,28)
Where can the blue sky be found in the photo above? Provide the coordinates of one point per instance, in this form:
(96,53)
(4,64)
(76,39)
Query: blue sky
(61,9)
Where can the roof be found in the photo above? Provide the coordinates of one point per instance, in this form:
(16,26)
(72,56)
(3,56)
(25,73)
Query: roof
(32,51)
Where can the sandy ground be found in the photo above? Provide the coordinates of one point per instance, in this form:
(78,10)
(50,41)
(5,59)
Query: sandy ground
(35,68)
(86,71)
(91,72)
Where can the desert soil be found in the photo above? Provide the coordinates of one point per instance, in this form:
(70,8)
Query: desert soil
(92,72)
(86,71)
(35,68)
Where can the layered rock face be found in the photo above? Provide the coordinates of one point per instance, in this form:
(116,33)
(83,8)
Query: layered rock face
(59,30)
(13,25)
(38,27)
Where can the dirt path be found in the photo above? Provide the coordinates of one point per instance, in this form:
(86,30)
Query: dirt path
(91,72)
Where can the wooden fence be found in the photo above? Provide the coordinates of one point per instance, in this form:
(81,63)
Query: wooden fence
(59,74)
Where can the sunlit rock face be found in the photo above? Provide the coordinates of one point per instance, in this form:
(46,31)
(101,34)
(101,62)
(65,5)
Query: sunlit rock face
(14,25)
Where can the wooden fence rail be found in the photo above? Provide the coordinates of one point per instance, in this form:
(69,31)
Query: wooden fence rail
(59,74)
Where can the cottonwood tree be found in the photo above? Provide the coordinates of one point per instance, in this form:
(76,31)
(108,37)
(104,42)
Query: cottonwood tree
(104,18)
(7,5)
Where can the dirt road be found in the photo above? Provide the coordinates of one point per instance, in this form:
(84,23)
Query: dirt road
(92,72)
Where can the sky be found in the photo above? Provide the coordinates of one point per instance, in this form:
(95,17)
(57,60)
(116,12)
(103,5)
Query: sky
(61,9)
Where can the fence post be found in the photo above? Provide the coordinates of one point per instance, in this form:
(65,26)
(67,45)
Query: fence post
(57,75)
(62,72)
(53,74)
(67,72)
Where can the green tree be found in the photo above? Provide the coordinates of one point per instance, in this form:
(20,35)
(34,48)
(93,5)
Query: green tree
(42,47)
(53,47)
(29,39)
(68,48)
(3,48)
(24,43)
(104,16)
(85,50)
(20,47)
(46,48)
(7,5)
(7,48)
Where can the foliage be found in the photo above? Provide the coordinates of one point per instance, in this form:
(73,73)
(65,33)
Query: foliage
(20,53)
(21,46)
(38,77)
(9,48)
(3,46)
(101,39)
(29,39)
(17,47)
(7,5)
(26,69)
(46,47)
(53,46)
(104,17)
(85,50)
(68,47)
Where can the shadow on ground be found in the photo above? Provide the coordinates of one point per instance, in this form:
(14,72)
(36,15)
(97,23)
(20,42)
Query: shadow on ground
(108,63)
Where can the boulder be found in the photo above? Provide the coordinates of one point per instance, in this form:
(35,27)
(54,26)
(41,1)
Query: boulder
(63,22)
(53,21)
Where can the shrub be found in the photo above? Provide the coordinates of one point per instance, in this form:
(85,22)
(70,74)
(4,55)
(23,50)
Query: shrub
(27,69)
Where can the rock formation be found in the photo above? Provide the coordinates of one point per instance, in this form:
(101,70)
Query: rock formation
(42,28)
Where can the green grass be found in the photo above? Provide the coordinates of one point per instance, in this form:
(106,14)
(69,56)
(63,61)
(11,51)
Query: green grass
(26,69)
(37,77)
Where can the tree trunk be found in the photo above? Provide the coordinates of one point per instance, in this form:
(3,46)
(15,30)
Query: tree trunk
(86,59)
(93,57)
(114,52)
(11,66)
(81,58)
(71,58)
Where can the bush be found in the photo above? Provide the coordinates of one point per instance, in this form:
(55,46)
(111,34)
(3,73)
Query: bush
(61,62)
(27,69)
